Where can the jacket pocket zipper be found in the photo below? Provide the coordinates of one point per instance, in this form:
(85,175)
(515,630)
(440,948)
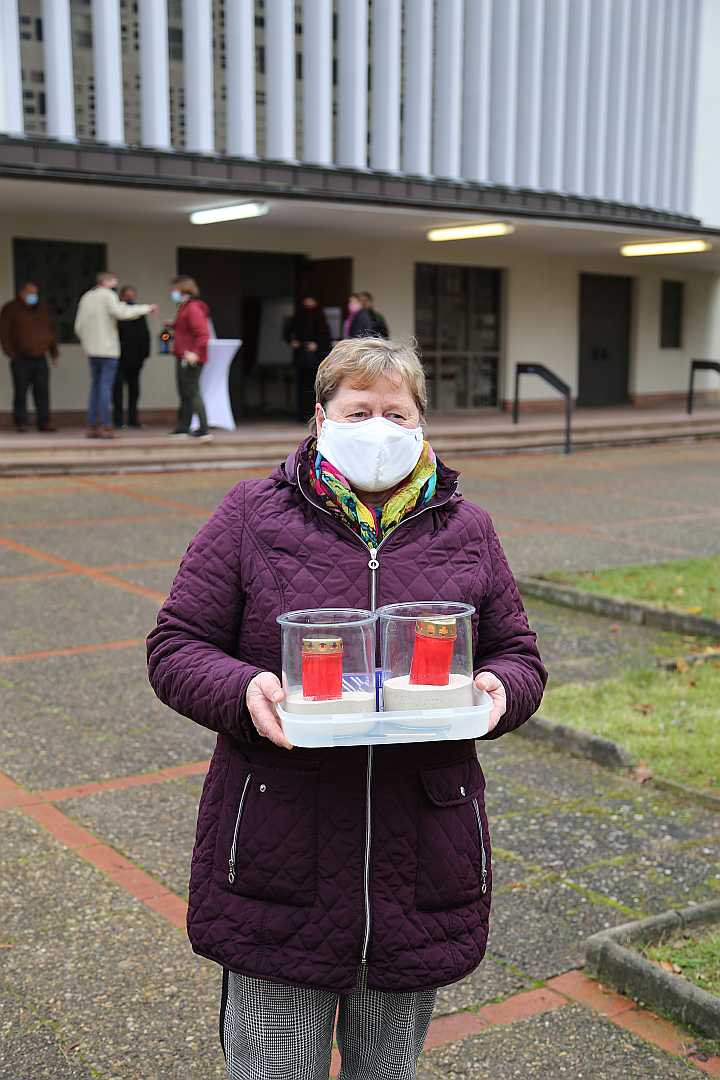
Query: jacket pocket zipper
(233,849)
(483,862)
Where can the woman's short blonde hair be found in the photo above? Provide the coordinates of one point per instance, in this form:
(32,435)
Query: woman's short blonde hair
(363,360)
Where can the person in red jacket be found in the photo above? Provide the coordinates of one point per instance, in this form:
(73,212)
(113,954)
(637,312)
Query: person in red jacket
(191,336)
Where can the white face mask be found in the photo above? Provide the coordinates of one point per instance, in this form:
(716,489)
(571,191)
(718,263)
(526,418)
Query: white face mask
(374,454)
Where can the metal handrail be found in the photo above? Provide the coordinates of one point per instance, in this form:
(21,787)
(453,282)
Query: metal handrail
(553,380)
(699,365)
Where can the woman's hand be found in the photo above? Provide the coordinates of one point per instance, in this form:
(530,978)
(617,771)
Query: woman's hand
(191,358)
(489,682)
(263,693)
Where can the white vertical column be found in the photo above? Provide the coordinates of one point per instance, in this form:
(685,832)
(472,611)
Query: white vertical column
(154,75)
(530,71)
(476,90)
(11,102)
(417,96)
(59,81)
(619,59)
(107,61)
(240,77)
(448,89)
(669,145)
(597,101)
(652,98)
(199,76)
(503,90)
(554,76)
(385,101)
(352,47)
(317,82)
(638,33)
(691,106)
(280,80)
(576,95)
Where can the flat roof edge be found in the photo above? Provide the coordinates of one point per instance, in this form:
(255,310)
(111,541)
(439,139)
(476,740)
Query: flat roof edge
(48,159)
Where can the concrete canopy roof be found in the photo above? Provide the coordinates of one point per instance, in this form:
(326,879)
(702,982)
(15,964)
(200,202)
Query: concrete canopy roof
(550,235)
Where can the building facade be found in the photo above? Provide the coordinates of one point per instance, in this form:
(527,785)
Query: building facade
(578,126)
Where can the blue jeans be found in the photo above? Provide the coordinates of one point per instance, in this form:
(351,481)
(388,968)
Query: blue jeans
(102,378)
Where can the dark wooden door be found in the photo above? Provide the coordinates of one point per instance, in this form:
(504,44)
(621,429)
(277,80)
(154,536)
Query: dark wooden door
(328,280)
(604,348)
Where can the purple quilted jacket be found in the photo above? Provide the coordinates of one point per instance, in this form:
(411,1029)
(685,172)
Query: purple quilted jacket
(310,864)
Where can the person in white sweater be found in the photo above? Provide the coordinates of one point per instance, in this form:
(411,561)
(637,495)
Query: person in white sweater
(98,314)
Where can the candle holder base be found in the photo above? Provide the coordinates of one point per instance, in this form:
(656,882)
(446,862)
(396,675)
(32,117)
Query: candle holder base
(400,695)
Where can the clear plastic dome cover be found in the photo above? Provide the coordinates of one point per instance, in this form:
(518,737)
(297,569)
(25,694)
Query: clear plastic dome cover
(328,661)
(426,655)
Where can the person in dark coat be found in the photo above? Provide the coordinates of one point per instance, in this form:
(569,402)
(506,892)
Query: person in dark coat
(308,335)
(351,880)
(363,320)
(27,334)
(134,351)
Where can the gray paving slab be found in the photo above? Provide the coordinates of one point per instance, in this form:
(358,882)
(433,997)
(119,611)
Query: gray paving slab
(543,551)
(652,883)
(66,720)
(118,982)
(26,507)
(154,826)
(540,929)
(67,612)
(580,647)
(491,981)
(158,578)
(689,538)
(569,1042)
(15,562)
(32,1047)
(98,543)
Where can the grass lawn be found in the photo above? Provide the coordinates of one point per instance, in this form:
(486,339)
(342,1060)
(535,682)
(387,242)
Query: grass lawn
(668,720)
(688,585)
(695,956)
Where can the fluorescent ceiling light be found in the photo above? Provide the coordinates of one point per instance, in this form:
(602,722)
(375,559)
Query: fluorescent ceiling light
(669,247)
(229,213)
(469,232)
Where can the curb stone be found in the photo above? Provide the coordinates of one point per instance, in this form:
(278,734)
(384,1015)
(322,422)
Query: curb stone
(581,743)
(609,959)
(627,610)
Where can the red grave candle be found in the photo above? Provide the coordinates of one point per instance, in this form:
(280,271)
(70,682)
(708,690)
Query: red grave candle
(433,651)
(322,661)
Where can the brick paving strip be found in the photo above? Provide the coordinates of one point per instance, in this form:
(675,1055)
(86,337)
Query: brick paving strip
(572,986)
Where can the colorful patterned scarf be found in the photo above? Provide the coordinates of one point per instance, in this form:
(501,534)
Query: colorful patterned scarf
(372,523)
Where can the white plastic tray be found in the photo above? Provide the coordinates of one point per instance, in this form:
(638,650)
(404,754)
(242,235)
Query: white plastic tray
(371,729)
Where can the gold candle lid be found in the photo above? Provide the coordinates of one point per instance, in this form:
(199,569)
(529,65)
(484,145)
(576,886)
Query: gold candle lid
(442,628)
(322,645)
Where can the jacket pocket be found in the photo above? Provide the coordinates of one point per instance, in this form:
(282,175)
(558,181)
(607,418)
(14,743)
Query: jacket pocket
(269,840)
(453,857)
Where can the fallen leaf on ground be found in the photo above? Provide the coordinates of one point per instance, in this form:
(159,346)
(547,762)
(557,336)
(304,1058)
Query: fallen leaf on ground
(642,773)
(644,709)
(615,628)
(681,665)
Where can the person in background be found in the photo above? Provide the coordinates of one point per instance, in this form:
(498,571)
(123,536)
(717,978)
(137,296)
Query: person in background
(190,344)
(308,335)
(365,320)
(134,351)
(96,325)
(28,333)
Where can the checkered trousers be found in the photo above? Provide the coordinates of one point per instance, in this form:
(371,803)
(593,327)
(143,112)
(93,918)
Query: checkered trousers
(273,1032)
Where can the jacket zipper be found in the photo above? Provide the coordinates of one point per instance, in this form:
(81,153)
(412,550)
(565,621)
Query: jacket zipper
(374,566)
(233,849)
(483,860)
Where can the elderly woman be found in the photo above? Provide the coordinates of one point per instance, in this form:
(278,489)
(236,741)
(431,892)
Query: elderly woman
(351,880)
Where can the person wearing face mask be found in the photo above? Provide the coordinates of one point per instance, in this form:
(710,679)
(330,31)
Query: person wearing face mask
(96,325)
(326,920)
(134,351)
(190,346)
(363,320)
(28,333)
